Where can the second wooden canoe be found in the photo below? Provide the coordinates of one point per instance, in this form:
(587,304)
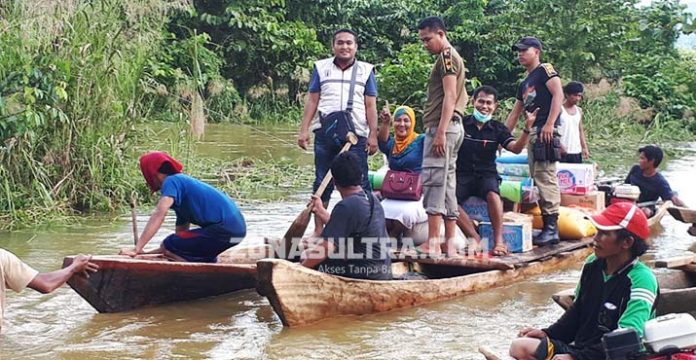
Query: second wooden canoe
(677,292)
(302,296)
(660,212)
(123,283)
(683,214)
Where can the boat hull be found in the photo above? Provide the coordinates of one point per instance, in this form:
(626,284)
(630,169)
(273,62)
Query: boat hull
(683,214)
(124,284)
(301,296)
(660,212)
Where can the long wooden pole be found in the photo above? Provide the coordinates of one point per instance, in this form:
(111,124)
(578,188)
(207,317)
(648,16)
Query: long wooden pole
(134,218)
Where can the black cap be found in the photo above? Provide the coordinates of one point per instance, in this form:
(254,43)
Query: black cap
(527,42)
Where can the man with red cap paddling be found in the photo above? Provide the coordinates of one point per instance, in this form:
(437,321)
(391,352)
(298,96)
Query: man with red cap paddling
(616,290)
(221,224)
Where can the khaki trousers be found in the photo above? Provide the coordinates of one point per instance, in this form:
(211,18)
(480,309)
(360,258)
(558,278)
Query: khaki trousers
(544,175)
(439,174)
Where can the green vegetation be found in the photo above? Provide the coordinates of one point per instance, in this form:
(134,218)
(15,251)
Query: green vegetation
(76,78)
(71,89)
(616,129)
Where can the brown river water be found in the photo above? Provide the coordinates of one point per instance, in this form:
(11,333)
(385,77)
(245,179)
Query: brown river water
(242,325)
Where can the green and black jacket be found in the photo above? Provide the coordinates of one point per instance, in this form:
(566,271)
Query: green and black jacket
(632,290)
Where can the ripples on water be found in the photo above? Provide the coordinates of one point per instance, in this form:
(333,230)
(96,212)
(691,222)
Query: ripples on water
(243,325)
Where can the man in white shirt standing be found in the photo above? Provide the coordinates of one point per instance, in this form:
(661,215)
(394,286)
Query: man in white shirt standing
(574,144)
(329,92)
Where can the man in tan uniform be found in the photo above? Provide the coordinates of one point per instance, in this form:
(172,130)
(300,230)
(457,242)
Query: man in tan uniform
(444,109)
(16,275)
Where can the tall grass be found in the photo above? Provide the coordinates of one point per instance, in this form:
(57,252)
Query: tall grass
(70,76)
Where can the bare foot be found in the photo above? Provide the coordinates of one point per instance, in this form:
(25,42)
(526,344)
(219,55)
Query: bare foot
(500,249)
(450,252)
(427,251)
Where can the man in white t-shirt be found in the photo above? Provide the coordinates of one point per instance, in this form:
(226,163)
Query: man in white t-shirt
(16,275)
(574,145)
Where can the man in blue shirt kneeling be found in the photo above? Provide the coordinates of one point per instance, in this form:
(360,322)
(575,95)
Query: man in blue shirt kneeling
(221,224)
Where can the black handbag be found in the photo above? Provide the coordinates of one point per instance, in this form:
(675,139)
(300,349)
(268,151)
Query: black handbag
(338,124)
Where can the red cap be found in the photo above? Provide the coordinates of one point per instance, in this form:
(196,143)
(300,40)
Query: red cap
(150,164)
(623,215)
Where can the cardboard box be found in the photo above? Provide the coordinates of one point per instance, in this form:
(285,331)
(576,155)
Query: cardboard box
(580,190)
(575,178)
(517,236)
(593,200)
(517,218)
(476,208)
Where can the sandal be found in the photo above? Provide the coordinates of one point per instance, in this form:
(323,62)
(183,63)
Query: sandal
(500,250)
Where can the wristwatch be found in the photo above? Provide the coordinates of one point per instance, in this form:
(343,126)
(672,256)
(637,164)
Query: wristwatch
(527,130)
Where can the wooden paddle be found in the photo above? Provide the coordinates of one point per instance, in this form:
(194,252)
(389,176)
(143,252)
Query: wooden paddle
(299,226)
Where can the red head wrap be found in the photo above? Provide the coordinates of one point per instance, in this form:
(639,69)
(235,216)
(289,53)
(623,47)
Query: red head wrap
(150,164)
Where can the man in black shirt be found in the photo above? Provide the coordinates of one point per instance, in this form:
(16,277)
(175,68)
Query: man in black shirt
(652,184)
(354,241)
(476,170)
(542,90)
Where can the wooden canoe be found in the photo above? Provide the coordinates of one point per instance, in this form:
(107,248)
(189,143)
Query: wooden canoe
(123,283)
(660,212)
(683,214)
(302,296)
(677,292)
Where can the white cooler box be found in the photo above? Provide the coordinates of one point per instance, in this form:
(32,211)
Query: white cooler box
(678,330)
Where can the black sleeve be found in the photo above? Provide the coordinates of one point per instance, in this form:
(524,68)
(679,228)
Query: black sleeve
(666,192)
(504,136)
(565,328)
(518,96)
(548,72)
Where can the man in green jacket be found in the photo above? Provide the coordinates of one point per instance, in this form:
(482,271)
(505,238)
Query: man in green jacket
(615,290)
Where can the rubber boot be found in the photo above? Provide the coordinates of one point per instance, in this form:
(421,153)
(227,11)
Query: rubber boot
(549,234)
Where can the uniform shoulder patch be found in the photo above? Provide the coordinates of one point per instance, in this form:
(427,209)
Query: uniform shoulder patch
(550,70)
(447,61)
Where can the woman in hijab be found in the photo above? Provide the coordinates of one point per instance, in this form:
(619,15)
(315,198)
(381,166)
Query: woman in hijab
(404,151)
(221,224)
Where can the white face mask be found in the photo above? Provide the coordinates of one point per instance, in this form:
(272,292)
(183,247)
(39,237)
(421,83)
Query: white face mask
(480,117)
